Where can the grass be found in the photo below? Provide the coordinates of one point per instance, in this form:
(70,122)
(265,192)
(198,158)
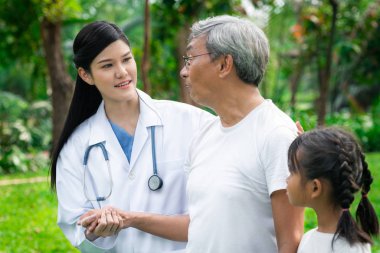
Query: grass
(28,215)
(28,220)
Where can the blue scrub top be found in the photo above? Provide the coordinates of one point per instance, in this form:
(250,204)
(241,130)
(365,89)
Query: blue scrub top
(124,138)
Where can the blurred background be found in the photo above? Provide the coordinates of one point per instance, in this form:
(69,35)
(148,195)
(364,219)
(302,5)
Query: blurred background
(324,70)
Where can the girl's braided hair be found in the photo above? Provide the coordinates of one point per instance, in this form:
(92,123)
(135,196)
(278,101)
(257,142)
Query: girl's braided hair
(335,155)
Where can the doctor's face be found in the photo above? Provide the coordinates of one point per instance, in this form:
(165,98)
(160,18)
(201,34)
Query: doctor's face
(114,73)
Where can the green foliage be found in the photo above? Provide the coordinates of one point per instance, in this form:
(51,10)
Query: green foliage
(299,34)
(363,126)
(25,134)
(366,127)
(28,220)
(57,10)
(19,30)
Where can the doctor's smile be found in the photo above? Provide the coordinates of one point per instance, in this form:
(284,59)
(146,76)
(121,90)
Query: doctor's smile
(124,84)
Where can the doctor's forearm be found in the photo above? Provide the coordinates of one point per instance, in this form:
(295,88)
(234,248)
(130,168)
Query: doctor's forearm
(170,227)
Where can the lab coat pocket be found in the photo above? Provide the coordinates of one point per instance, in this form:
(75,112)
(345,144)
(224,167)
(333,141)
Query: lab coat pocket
(173,175)
(171,198)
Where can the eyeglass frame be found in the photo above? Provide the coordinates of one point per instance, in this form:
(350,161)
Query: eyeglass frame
(187,59)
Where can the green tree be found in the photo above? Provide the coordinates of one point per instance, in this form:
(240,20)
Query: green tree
(35,33)
(330,47)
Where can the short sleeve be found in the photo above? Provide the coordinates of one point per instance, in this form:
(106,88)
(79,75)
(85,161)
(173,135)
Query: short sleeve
(274,157)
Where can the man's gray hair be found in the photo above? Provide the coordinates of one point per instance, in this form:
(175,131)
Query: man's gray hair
(240,38)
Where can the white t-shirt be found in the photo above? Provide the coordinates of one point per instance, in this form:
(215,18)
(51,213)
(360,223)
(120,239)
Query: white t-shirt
(232,173)
(317,242)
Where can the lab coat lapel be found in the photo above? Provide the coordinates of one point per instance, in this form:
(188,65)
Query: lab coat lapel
(149,116)
(100,127)
(101,131)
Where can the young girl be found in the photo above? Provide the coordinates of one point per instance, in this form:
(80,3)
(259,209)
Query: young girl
(327,167)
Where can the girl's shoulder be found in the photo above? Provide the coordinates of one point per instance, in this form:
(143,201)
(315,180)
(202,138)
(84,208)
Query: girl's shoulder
(341,245)
(313,239)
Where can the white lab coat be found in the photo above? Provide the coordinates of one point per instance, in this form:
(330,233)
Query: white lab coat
(176,123)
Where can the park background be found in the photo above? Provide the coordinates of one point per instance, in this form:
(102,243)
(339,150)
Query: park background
(324,70)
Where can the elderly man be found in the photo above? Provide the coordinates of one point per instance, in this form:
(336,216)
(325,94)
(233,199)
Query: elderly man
(237,166)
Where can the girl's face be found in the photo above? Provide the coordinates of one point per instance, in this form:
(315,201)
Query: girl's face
(296,190)
(114,73)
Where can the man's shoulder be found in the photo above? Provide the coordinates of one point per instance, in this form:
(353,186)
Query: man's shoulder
(169,106)
(269,119)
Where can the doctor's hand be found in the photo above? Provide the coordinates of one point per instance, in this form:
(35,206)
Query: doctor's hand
(90,219)
(110,223)
(101,223)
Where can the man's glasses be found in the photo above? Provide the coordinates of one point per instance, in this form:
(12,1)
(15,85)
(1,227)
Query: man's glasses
(187,59)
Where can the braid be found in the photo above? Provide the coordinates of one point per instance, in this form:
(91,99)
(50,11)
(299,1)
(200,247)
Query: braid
(367,177)
(346,183)
(345,191)
(365,214)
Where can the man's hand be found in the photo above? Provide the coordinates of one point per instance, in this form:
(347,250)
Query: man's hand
(299,128)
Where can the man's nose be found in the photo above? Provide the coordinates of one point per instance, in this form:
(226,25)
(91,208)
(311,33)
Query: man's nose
(184,72)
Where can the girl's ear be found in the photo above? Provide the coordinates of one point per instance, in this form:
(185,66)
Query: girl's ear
(85,76)
(316,188)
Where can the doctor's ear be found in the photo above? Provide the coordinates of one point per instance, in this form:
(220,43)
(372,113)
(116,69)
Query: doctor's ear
(85,75)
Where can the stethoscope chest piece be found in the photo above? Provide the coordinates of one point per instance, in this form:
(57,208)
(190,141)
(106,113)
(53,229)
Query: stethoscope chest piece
(155,183)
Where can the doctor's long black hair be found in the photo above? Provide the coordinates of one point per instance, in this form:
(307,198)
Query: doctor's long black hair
(89,42)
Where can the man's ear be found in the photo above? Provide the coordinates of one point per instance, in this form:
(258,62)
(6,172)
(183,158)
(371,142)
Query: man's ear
(85,76)
(226,65)
(316,188)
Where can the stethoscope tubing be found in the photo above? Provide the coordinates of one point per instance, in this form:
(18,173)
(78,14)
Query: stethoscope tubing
(154,183)
(85,164)
(153,137)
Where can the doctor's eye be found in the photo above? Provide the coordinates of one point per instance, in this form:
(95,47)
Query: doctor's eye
(106,66)
(127,59)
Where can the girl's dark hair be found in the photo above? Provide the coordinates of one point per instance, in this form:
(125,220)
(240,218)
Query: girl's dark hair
(90,41)
(335,155)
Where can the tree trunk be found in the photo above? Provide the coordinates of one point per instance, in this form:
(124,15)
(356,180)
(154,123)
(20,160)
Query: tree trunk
(300,62)
(295,80)
(61,83)
(145,59)
(325,71)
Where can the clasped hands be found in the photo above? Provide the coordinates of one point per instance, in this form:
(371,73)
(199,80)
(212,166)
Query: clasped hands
(103,222)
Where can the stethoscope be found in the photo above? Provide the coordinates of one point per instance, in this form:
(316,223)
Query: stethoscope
(155,182)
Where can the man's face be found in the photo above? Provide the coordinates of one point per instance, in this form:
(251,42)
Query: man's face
(199,71)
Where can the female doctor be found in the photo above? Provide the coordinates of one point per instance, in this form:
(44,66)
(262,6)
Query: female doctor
(120,149)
